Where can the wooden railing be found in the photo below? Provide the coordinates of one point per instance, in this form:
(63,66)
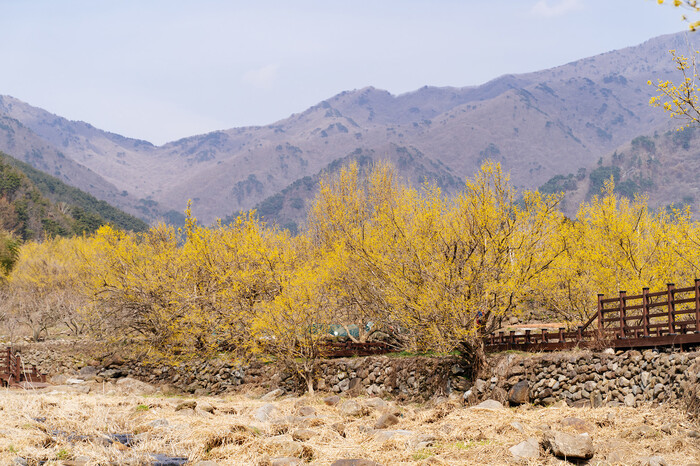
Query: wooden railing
(345,349)
(12,371)
(663,318)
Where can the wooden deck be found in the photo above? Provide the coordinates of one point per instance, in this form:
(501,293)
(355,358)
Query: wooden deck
(668,318)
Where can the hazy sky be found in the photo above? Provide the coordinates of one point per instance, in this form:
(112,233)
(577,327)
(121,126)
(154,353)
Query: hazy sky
(162,70)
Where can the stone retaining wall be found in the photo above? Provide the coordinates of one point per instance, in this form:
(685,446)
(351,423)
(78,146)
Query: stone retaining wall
(403,378)
(578,377)
(592,379)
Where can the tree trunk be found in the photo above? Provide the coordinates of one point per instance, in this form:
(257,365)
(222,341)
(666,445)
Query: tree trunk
(474,357)
(309,378)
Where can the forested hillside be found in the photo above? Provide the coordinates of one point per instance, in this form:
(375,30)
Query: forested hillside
(34,205)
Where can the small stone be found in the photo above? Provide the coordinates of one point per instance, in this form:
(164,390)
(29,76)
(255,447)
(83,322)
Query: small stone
(19,461)
(286,461)
(489,404)
(422,441)
(339,427)
(529,449)
(284,446)
(568,446)
(206,407)
(518,426)
(273,394)
(354,386)
(206,463)
(187,404)
(159,423)
(303,435)
(652,461)
(480,385)
(384,435)
(306,411)
(578,424)
(385,421)
(264,413)
(332,400)
(354,462)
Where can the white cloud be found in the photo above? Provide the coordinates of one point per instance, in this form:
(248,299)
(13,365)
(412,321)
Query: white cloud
(262,78)
(549,9)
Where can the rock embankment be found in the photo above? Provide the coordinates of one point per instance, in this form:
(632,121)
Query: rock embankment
(627,378)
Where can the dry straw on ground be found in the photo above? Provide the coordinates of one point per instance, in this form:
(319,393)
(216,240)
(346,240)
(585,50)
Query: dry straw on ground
(59,427)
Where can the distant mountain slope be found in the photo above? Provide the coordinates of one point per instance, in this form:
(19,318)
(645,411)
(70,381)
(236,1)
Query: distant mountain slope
(662,166)
(537,125)
(34,204)
(20,141)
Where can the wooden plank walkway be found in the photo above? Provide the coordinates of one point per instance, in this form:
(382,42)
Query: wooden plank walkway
(12,371)
(647,320)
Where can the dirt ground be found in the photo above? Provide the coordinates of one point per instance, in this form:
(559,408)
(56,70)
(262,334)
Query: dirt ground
(68,427)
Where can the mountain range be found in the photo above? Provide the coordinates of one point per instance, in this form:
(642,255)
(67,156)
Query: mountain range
(572,122)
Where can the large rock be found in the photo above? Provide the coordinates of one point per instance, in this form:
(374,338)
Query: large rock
(187,404)
(131,386)
(568,446)
(520,393)
(351,408)
(529,449)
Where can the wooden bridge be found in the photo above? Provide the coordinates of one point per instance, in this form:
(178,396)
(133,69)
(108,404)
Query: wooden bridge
(13,372)
(647,320)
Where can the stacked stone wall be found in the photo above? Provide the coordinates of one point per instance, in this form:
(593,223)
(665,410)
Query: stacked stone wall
(579,378)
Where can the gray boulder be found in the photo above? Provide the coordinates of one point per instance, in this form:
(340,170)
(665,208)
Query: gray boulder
(529,449)
(264,413)
(520,393)
(568,446)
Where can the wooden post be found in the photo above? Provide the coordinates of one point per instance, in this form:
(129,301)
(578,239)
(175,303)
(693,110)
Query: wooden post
(544,335)
(527,336)
(18,364)
(623,312)
(600,316)
(645,311)
(671,308)
(561,334)
(579,332)
(512,336)
(500,337)
(697,305)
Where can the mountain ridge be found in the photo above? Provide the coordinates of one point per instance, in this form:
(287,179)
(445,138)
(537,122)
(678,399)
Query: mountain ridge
(537,125)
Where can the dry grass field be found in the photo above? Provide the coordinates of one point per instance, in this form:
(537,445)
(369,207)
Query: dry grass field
(66,427)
